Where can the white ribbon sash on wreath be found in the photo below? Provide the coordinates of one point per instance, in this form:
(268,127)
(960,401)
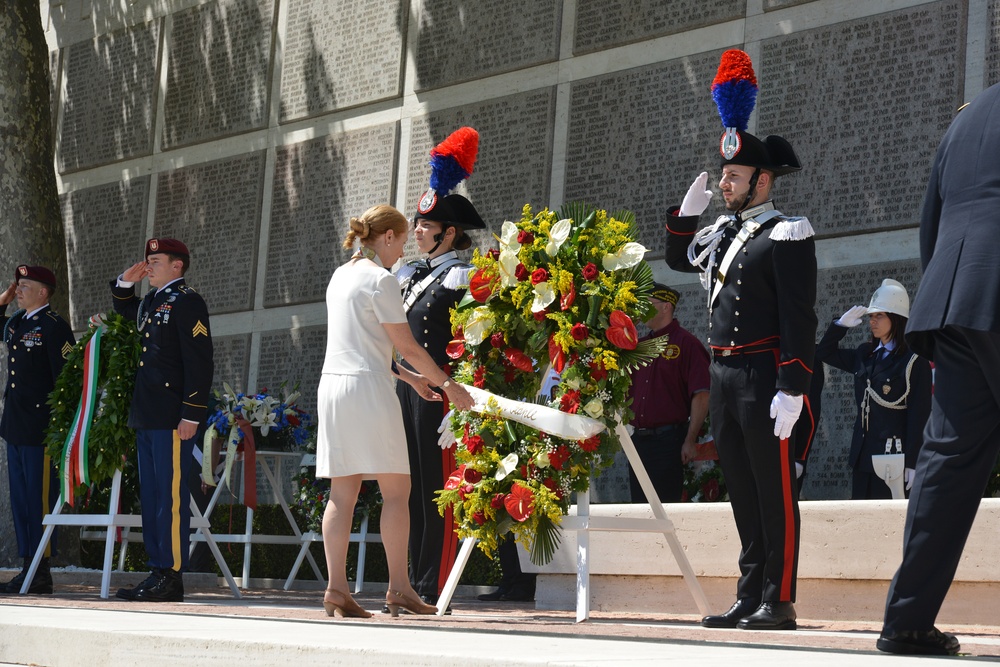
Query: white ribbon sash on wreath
(541,417)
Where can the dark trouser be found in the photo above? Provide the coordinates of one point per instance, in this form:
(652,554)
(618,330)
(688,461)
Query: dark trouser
(433,542)
(869,486)
(34,489)
(164,464)
(660,452)
(760,475)
(513,579)
(961,443)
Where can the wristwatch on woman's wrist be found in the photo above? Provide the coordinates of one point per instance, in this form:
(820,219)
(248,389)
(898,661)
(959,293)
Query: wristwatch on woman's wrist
(446,384)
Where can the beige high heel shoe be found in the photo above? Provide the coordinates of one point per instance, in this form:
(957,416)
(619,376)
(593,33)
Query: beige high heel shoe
(346,608)
(396,599)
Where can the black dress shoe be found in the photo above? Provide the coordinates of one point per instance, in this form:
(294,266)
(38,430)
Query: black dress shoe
(495,596)
(518,595)
(919,642)
(743,608)
(770,616)
(130,593)
(168,588)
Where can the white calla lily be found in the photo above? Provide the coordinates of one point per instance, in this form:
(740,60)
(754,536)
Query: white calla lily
(479,325)
(544,295)
(557,236)
(508,266)
(506,467)
(508,237)
(629,255)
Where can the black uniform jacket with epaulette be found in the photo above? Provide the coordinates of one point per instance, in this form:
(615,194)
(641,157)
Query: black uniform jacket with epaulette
(768,296)
(175,365)
(889,381)
(430,315)
(36,351)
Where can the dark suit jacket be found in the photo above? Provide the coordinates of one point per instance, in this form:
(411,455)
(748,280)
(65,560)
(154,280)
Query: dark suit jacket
(175,365)
(888,379)
(959,228)
(36,351)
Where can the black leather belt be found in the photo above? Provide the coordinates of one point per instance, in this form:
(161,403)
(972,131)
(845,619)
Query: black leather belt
(658,430)
(743,349)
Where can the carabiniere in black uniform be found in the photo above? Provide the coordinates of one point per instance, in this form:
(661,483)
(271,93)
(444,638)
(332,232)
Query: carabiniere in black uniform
(432,537)
(759,267)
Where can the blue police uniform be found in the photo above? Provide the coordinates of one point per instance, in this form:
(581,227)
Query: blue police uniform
(37,346)
(172,383)
(902,383)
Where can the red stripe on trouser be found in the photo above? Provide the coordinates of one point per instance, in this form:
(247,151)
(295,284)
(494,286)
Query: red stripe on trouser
(449,549)
(788,564)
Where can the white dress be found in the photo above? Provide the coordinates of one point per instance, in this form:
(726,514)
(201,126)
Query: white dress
(360,430)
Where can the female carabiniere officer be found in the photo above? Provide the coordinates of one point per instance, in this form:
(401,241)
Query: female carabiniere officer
(892,386)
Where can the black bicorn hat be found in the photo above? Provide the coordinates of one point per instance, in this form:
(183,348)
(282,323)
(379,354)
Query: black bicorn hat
(452,162)
(735,93)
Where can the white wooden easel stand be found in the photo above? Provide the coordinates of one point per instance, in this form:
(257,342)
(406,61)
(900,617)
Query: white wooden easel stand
(247,538)
(109,522)
(583,523)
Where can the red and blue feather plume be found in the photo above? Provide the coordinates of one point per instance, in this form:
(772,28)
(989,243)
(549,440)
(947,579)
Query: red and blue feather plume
(452,160)
(734,89)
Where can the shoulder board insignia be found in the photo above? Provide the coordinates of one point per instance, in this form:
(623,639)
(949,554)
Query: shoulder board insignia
(199,330)
(66,349)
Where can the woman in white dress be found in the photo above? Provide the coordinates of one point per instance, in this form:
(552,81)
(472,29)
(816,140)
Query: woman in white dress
(360,432)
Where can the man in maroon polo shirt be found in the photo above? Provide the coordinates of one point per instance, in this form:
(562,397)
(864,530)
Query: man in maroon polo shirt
(670,402)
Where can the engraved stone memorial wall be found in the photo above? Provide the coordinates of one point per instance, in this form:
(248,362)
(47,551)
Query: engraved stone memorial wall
(341,53)
(993,45)
(217,78)
(602,24)
(461,40)
(231,355)
(214,208)
(318,186)
(864,103)
(295,357)
(105,234)
(648,132)
(110,95)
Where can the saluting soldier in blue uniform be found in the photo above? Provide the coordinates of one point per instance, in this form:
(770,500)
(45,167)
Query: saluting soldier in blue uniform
(38,341)
(760,269)
(431,288)
(169,401)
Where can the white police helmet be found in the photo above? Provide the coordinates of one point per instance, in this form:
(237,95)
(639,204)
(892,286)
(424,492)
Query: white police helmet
(890,298)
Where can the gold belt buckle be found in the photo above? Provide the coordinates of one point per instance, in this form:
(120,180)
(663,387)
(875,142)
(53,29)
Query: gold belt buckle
(727,353)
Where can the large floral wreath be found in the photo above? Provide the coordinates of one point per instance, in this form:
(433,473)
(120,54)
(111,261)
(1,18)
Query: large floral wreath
(562,293)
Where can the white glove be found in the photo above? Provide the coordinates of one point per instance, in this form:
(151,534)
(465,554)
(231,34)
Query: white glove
(798,470)
(785,411)
(447,438)
(697,197)
(908,475)
(852,317)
